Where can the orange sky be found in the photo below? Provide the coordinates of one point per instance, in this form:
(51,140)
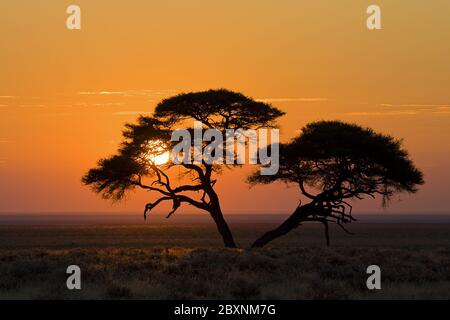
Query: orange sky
(65,95)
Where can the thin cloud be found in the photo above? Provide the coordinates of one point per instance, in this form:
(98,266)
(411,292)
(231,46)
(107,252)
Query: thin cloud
(130,113)
(413,109)
(107,104)
(129,93)
(442,112)
(416,105)
(104,104)
(107,93)
(86,93)
(7,97)
(59,114)
(383,113)
(78,104)
(32,106)
(292,99)
(442,109)
(101,93)
(422,108)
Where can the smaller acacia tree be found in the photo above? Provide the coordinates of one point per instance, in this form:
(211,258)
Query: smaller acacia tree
(333,162)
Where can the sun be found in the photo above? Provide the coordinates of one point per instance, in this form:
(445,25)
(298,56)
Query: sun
(157,154)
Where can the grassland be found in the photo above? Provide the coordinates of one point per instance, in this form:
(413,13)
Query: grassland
(187,261)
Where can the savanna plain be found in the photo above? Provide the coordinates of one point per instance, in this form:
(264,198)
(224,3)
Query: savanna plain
(186,260)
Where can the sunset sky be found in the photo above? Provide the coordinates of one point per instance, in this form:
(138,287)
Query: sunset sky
(65,95)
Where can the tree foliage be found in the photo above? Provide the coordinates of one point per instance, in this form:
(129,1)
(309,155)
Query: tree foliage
(122,172)
(218,109)
(131,167)
(333,162)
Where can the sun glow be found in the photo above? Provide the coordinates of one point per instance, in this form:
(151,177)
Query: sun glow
(157,153)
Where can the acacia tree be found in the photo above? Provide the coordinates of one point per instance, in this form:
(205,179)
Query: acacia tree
(333,162)
(134,165)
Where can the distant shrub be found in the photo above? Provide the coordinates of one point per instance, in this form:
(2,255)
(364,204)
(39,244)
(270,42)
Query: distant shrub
(244,288)
(118,292)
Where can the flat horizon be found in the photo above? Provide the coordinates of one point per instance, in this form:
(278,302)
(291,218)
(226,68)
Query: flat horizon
(53,218)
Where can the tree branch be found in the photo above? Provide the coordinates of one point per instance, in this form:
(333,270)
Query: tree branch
(149,206)
(303,190)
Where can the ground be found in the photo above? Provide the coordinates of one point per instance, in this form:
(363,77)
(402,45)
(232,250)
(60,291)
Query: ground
(186,261)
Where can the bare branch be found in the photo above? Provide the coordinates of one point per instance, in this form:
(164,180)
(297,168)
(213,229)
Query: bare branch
(176,205)
(343,228)
(188,188)
(193,202)
(302,188)
(149,206)
(143,186)
(196,169)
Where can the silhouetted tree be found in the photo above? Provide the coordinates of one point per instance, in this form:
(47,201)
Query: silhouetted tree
(333,162)
(132,167)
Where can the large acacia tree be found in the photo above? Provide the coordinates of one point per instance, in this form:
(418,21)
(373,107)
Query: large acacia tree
(333,162)
(134,165)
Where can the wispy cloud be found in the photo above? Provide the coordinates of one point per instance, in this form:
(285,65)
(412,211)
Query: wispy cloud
(111,93)
(292,99)
(104,104)
(129,93)
(91,93)
(397,110)
(59,114)
(130,113)
(382,113)
(107,104)
(414,105)
(32,106)
(7,97)
(419,108)
(442,111)
(68,105)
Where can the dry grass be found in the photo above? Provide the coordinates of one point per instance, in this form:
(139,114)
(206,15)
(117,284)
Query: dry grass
(175,262)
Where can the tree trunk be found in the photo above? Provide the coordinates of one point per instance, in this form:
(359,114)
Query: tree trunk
(222,226)
(292,222)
